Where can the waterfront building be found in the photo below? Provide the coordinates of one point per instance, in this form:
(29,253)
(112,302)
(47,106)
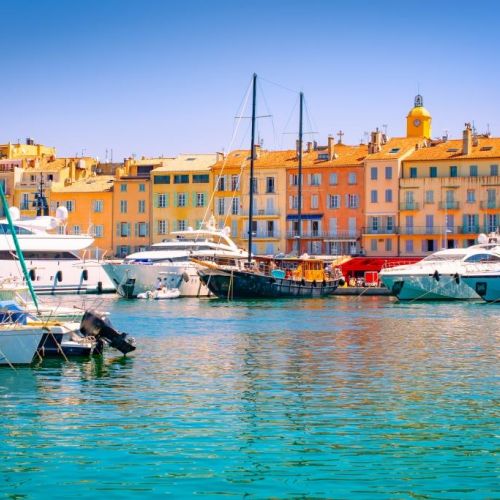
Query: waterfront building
(182,188)
(333,197)
(131,212)
(231,201)
(89,202)
(450,192)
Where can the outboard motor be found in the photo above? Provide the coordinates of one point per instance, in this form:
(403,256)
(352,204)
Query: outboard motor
(97,325)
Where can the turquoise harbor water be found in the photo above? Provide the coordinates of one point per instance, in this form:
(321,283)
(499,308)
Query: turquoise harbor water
(333,398)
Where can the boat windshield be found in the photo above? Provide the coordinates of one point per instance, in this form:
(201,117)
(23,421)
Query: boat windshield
(447,257)
(5,229)
(186,248)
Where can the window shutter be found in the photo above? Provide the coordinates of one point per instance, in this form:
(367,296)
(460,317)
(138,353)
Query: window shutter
(118,229)
(175,199)
(319,179)
(157,200)
(309,179)
(194,199)
(205,198)
(290,201)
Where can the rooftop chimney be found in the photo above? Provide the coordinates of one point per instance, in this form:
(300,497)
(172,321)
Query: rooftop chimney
(331,147)
(297,144)
(309,147)
(219,156)
(467,142)
(376,142)
(315,145)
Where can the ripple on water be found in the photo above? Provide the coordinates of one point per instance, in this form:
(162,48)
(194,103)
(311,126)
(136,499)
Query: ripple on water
(331,398)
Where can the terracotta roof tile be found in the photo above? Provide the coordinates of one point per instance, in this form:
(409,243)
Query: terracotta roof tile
(453,150)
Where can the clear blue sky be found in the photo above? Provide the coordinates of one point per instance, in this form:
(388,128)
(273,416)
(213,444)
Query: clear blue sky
(164,77)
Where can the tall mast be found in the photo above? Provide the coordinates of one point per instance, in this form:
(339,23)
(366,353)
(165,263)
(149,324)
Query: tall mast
(299,154)
(252,155)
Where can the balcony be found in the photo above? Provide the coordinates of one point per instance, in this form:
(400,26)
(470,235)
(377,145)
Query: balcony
(336,235)
(380,230)
(262,212)
(441,230)
(449,205)
(409,205)
(262,235)
(485,205)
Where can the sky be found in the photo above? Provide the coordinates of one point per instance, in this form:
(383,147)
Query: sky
(159,77)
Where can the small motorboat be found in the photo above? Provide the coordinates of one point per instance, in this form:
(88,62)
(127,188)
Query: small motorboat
(163,293)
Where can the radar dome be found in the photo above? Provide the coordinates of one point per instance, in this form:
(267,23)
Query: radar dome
(62,213)
(482,239)
(14,213)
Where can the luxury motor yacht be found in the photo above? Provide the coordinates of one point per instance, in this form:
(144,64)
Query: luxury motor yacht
(167,264)
(440,275)
(57,263)
(485,280)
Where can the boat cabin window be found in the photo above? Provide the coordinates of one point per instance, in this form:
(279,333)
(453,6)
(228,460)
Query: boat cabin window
(444,257)
(5,229)
(39,255)
(483,257)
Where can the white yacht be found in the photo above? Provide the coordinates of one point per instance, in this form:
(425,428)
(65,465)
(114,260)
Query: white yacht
(440,275)
(168,263)
(485,280)
(57,263)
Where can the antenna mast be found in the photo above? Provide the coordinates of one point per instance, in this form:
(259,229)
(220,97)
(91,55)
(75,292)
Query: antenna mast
(299,154)
(252,151)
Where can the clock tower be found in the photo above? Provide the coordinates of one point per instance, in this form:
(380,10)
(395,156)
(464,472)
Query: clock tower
(418,121)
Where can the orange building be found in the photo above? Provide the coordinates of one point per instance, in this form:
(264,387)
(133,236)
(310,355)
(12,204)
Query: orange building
(332,199)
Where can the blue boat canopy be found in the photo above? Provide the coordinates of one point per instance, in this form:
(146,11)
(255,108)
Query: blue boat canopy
(304,216)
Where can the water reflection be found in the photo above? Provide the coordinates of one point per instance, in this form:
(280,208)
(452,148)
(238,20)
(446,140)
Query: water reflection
(362,397)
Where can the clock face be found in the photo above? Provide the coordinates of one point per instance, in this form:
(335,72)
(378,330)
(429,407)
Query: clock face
(416,122)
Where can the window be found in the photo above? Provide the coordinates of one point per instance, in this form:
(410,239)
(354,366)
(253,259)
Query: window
(200,199)
(70,206)
(181,225)
(314,201)
(471,196)
(390,223)
(141,208)
(409,246)
(294,180)
(181,179)
(235,183)
(255,185)
(373,196)
(453,171)
(25,201)
(294,202)
(201,179)
(269,184)
(142,188)
(123,229)
(162,226)
(235,206)
(373,173)
(161,179)
(76,229)
(221,183)
(373,245)
(429,196)
(388,245)
(97,206)
(181,199)
(493,169)
(352,200)
(433,171)
(413,172)
(142,229)
(220,206)
(315,179)
(123,188)
(123,206)
(98,231)
(409,224)
(374,224)
(333,201)
(333,179)
(162,200)
(429,223)
(351,178)
(388,195)
(473,170)
(388,172)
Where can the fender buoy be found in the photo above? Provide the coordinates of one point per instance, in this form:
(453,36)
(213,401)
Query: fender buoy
(303,282)
(314,283)
(32,275)
(59,276)
(436,275)
(457,278)
(85,275)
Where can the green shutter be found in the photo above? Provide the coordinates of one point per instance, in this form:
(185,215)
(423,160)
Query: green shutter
(205,198)
(175,200)
(194,198)
(157,200)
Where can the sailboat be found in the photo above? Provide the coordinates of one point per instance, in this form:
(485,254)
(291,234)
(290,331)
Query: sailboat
(264,277)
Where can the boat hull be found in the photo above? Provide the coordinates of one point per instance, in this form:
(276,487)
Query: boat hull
(55,277)
(134,279)
(425,287)
(18,344)
(487,286)
(245,285)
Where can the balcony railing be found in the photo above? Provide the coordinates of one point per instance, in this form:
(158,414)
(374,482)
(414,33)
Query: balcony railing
(261,234)
(409,205)
(449,205)
(421,230)
(490,204)
(380,230)
(262,212)
(338,235)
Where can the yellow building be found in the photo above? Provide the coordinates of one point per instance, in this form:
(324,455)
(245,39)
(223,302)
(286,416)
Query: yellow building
(90,208)
(132,205)
(182,188)
(25,151)
(450,192)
